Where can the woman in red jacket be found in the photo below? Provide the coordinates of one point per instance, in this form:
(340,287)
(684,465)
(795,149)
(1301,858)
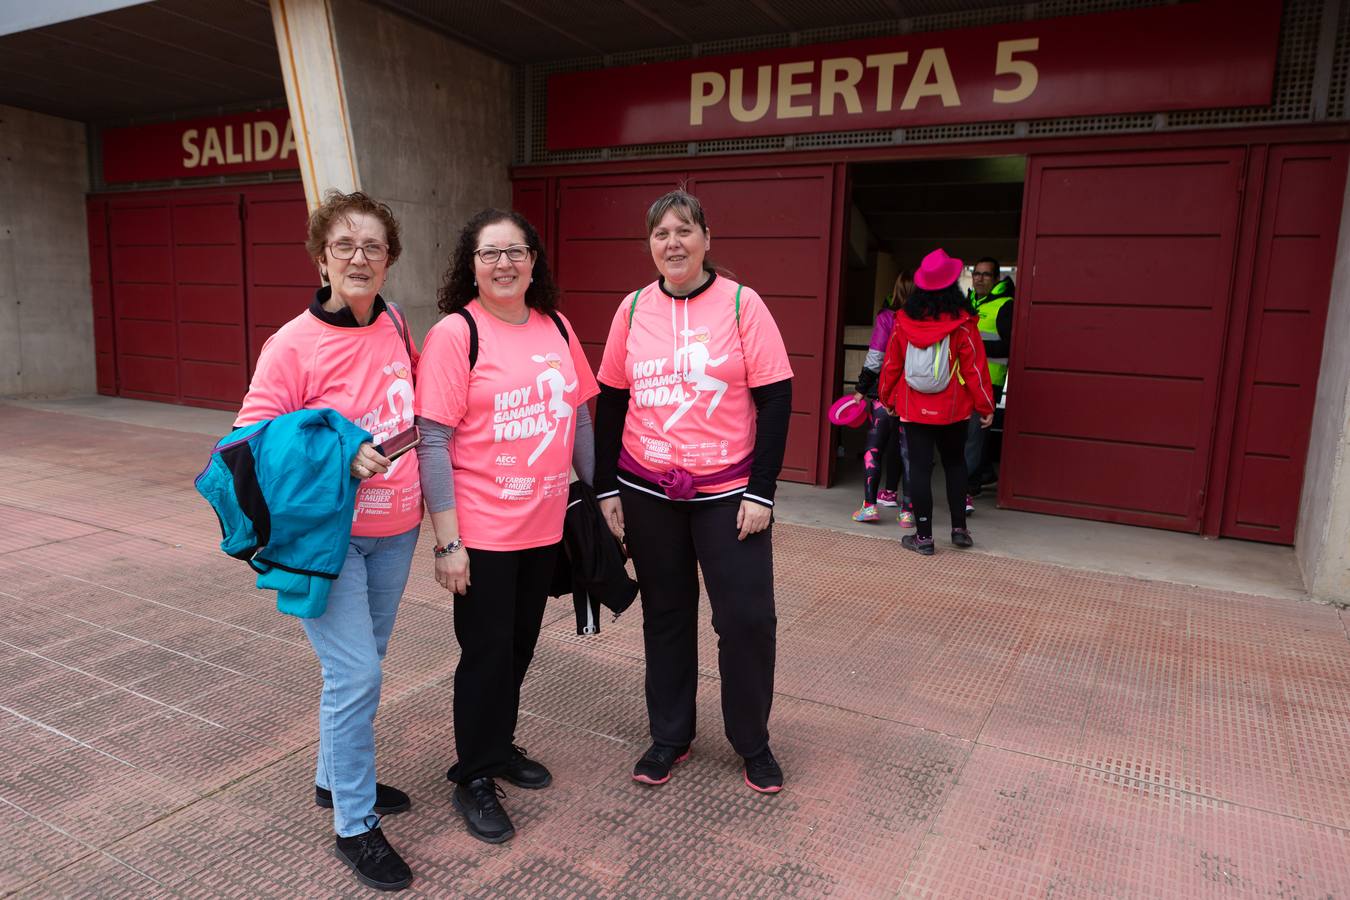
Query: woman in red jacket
(935,398)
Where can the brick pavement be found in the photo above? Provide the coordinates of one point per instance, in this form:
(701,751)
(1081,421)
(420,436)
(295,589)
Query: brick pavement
(962,726)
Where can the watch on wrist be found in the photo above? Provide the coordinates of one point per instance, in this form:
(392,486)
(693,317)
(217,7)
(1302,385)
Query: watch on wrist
(449,548)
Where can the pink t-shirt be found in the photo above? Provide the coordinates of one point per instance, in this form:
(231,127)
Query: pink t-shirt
(513,416)
(363,373)
(689,369)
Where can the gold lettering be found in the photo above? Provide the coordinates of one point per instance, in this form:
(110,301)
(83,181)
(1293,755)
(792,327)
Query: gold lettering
(787,89)
(885,64)
(1025,70)
(705,89)
(211,148)
(943,86)
(248,142)
(231,156)
(839,78)
(287,141)
(264,149)
(763,94)
(194,155)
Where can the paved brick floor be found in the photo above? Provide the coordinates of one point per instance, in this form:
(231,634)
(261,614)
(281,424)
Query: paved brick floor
(963,726)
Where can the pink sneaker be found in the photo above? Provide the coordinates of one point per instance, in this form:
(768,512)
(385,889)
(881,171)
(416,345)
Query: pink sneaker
(906,518)
(866,513)
(886,498)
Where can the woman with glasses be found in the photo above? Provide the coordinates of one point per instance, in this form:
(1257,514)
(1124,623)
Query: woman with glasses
(351,352)
(501,406)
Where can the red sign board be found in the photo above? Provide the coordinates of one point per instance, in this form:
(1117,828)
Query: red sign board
(221,145)
(1199,55)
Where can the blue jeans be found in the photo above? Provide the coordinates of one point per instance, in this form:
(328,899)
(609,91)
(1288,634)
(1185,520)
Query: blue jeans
(350,639)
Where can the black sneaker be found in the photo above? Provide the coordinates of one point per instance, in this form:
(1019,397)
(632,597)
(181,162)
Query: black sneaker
(388,800)
(375,862)
(961,538)
(920,545)
(656,763)
(524,772)
(477,802)
(762,772)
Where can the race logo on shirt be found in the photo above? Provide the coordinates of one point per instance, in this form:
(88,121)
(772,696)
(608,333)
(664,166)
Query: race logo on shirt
(529,412)
(682,381)
(387,419)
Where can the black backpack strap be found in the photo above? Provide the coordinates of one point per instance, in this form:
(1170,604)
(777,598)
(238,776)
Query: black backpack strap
(401,326)
(562,329)
(473,335)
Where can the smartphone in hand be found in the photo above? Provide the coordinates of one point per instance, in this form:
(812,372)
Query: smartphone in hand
(394,447)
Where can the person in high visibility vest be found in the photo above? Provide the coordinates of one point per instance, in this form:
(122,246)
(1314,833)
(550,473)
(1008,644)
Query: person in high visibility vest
(991,295)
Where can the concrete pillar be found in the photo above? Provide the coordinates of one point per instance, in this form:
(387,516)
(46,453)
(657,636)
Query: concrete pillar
(307,45)
(46,311)
(1322,542)
(409,116)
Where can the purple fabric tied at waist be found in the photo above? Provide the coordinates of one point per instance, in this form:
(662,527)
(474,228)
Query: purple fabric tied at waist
(678,483)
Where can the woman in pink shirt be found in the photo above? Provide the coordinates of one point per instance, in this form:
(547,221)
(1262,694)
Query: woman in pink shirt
(691,426)
(351,352)
(501,402)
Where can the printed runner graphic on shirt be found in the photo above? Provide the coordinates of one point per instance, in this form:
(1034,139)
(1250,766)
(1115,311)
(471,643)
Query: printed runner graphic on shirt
(688,379)
(383,422)
(537,410)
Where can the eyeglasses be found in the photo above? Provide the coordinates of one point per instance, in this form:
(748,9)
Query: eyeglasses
(347,250)
(978,274)
(490,255)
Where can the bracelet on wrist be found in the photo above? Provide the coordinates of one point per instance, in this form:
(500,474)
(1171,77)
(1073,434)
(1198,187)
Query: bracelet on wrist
(456,544)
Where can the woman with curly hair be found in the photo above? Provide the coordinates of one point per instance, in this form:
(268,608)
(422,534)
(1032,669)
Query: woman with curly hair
(502,388)
(933,376)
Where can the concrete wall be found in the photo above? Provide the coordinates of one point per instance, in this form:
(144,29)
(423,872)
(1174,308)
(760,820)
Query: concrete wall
(46,317)
(431,126)
(1322,542)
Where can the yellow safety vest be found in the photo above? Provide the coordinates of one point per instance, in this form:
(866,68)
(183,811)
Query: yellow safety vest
(988,309)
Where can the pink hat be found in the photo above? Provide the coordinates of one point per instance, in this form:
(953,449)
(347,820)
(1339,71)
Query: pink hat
(848,411)
(937,271)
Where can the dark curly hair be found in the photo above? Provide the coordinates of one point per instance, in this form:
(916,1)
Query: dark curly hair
(458,286)
(946,303)
(336,204)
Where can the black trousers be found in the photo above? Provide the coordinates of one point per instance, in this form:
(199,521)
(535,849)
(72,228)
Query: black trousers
(669,542)
(497,625)
(950,442)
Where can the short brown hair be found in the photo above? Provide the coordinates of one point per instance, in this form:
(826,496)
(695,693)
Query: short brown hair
(335,204)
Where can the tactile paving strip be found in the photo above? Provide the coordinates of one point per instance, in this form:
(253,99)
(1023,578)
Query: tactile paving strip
(961,726)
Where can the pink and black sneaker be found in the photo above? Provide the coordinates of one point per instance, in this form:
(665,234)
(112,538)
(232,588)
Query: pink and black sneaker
(762,773)
(655,765)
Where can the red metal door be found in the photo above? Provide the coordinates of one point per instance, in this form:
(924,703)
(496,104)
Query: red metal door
(140,244)
(281,276)
(208,265)
(1126,277)
(100,285)
(1295,252)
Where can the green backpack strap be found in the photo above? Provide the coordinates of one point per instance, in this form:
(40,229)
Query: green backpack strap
(738,304)
(633,307)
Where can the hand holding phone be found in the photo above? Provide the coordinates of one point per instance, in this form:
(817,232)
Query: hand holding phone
(394,447)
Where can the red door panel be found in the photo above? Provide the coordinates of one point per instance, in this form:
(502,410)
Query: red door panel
(209,260)
(140,247)
(529,197)
(281,276)
(1121,313)
(1295,252)
(100,285)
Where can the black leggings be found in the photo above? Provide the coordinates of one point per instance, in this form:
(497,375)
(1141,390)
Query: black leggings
(670,541)
(950,441)
(497,625)
(885,445)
